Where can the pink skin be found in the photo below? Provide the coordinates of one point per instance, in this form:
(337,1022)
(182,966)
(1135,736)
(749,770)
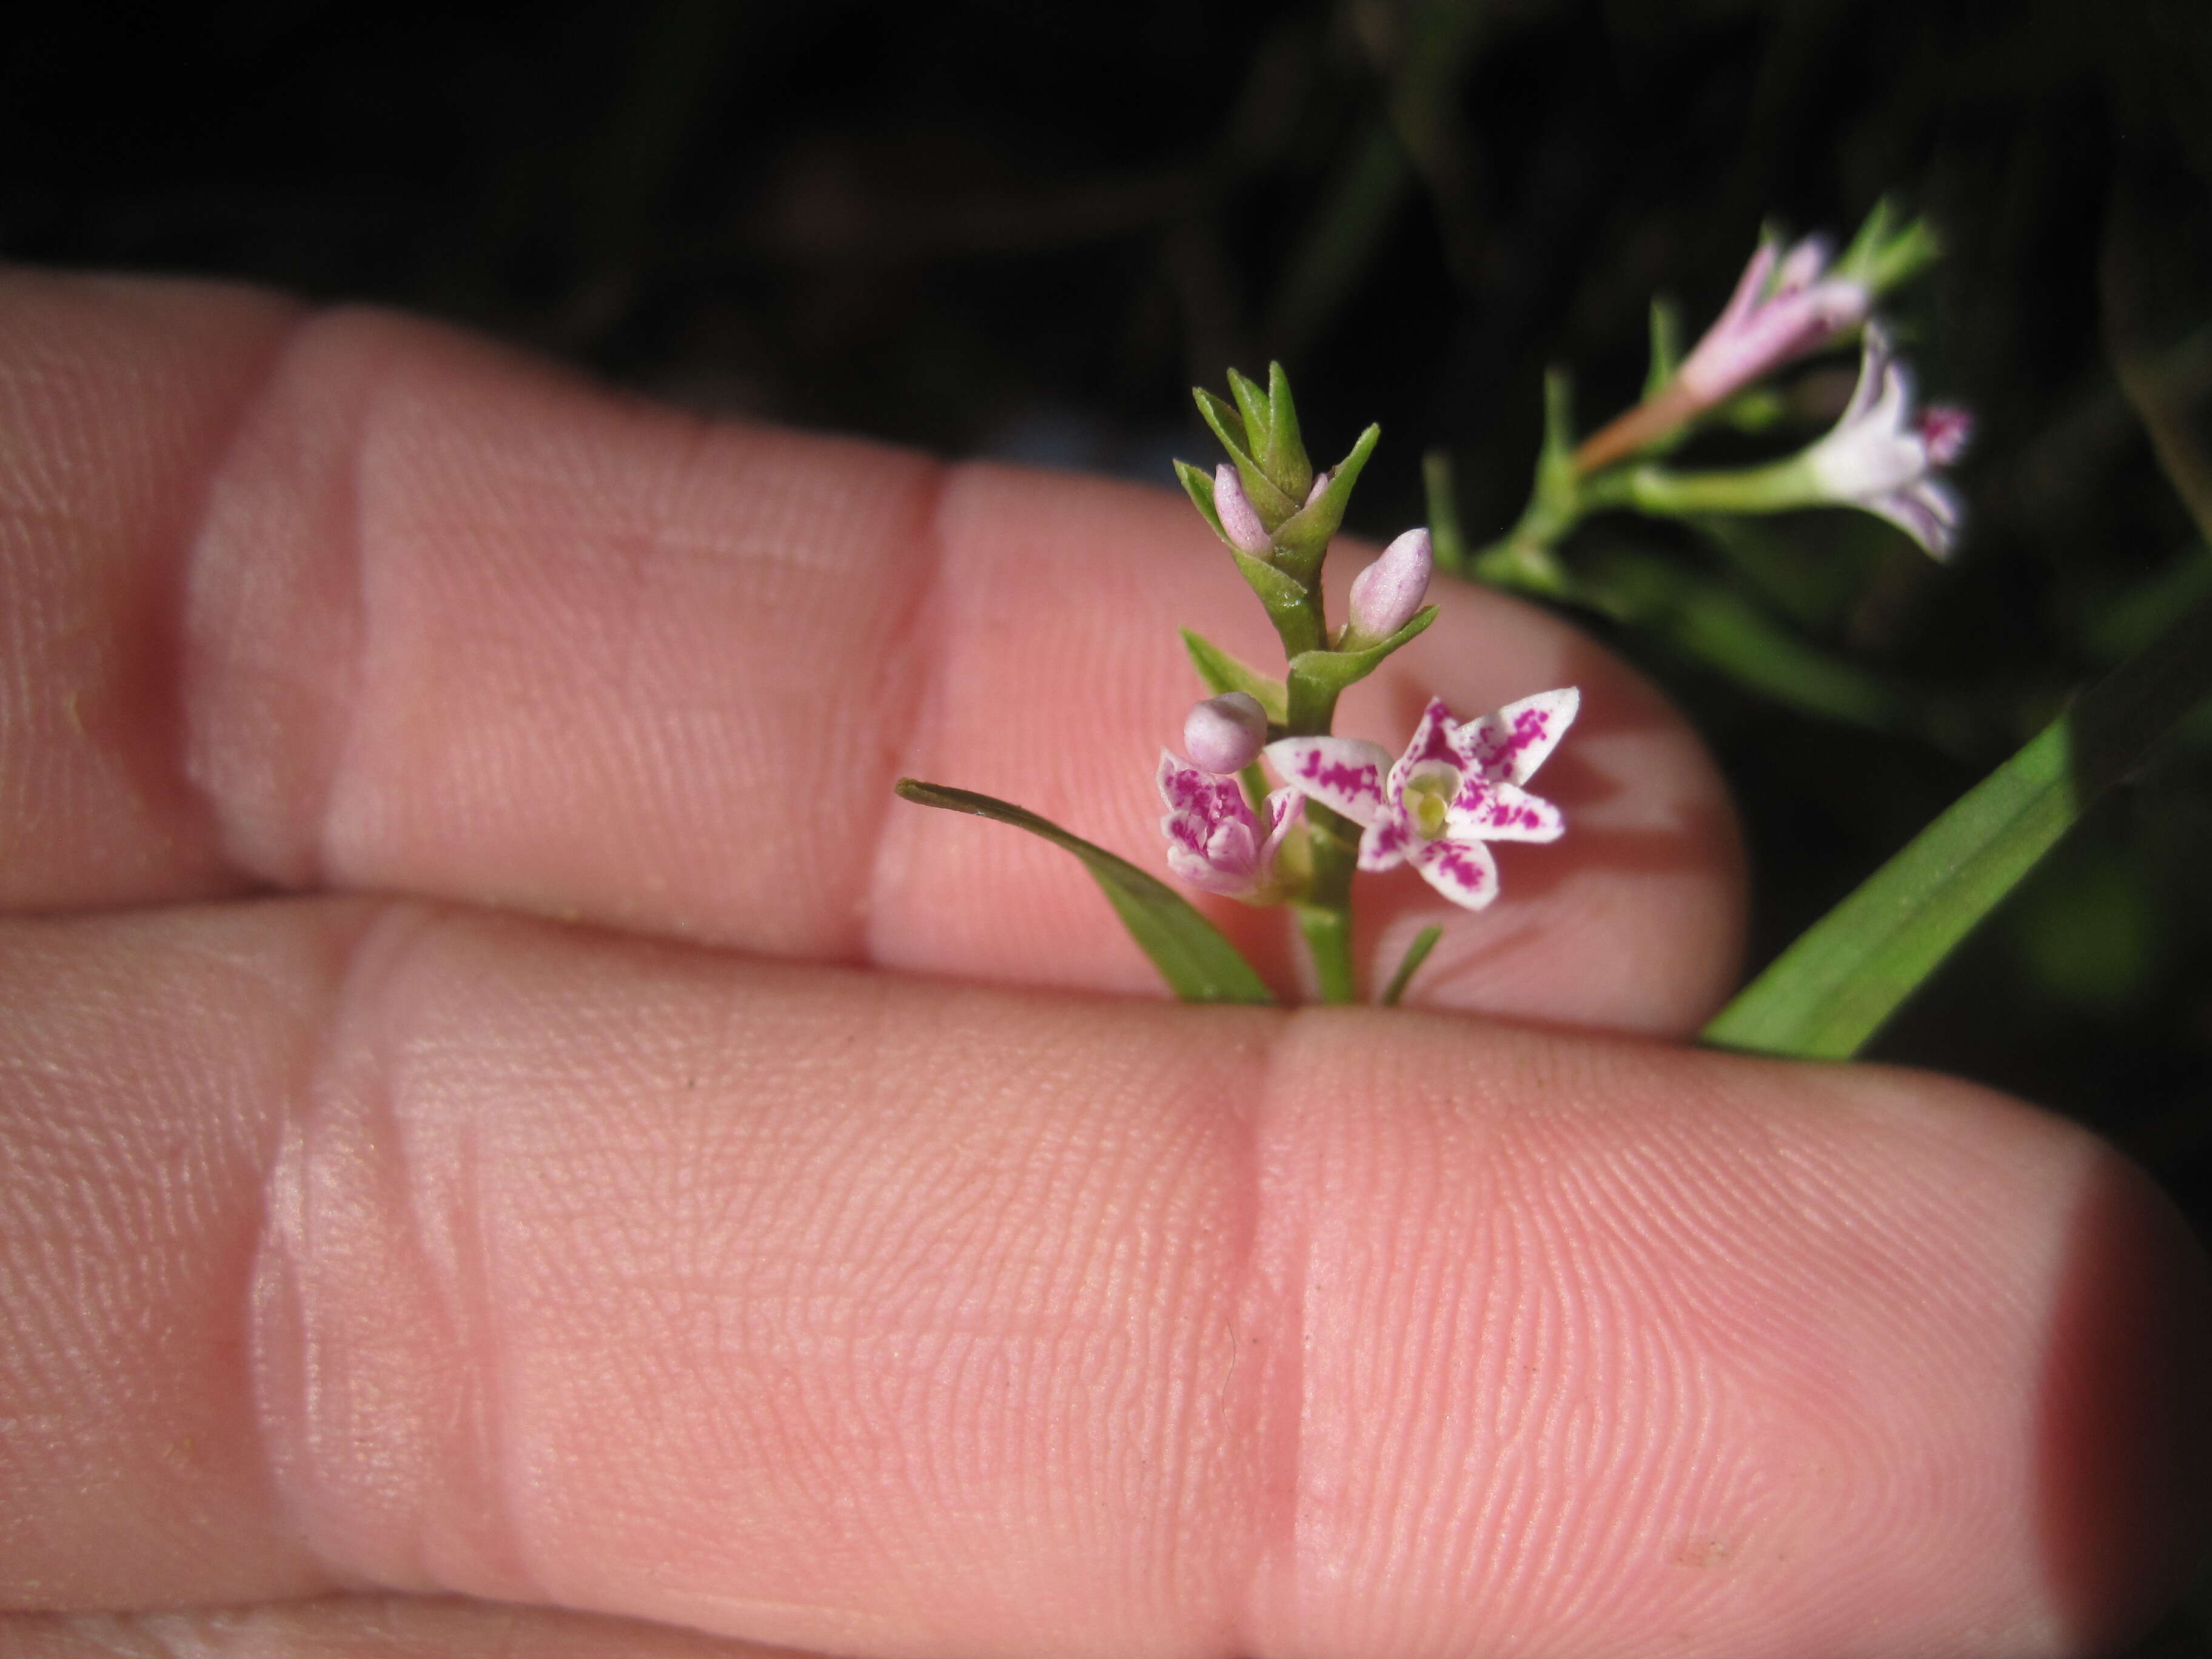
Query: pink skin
(1480,767)
(671,1259)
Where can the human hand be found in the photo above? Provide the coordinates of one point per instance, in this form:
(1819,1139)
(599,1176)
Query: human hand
(500,1103)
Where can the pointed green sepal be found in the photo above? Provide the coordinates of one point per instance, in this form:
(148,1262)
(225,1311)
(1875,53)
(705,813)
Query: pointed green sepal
(1252,403)
(1197,963)
(1283,451)
(1318,678)
(1268,499)
(1227,422)
(1416,954)
(1302,538)
(1219,672)
(1199,483)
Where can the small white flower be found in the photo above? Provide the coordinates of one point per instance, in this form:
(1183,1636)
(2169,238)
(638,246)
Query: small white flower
(1456,788)
(1882,454)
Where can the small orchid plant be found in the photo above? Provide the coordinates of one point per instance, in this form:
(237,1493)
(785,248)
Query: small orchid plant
(1339,805)
(1342,805)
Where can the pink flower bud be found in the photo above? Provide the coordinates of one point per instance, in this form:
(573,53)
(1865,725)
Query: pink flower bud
(1784,306)
(1385,595)
(1240,520)
(1319,485)
(1225,733)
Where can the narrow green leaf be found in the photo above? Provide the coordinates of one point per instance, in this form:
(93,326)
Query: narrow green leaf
(1831,990)
(1220,672)
(1666,347)
(1716,625)
(1416,954)
(1199,964)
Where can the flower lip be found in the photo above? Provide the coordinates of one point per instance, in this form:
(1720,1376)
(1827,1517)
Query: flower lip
(1215,842)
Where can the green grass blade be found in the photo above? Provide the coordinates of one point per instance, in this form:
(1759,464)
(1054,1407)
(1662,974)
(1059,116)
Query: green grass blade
(1199,965)
(1831,991)
(1416,954)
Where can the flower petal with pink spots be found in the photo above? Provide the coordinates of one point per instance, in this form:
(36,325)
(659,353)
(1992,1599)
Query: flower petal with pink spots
(1508,745)
(1214,842)
(1462,871)
(1503,812)
(1342,774)
(1384,843)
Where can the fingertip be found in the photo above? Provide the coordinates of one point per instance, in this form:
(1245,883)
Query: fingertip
(2124,1431)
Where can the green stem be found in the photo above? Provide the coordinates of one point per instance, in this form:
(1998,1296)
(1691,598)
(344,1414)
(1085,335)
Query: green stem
(1325,915)
(1774,487)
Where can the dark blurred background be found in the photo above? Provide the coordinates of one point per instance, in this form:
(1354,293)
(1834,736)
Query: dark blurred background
(1026,229)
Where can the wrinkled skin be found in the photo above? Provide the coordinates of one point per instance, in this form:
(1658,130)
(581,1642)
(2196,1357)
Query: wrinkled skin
(498,1106)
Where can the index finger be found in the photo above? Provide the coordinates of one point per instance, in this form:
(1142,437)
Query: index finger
(353,602)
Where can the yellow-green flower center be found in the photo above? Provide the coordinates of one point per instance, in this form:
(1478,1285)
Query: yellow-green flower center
(1428,797)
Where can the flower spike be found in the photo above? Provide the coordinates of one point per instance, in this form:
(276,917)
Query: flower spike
(1457,787)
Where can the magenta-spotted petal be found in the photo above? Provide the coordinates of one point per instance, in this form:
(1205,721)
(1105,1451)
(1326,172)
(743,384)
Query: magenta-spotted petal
(1214,844)
(1503,812)
(1508,745)
(1384,843)
(1462,871)
(1343,774)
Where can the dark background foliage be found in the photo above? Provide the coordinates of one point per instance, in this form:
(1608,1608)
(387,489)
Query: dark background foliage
(1026,229)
